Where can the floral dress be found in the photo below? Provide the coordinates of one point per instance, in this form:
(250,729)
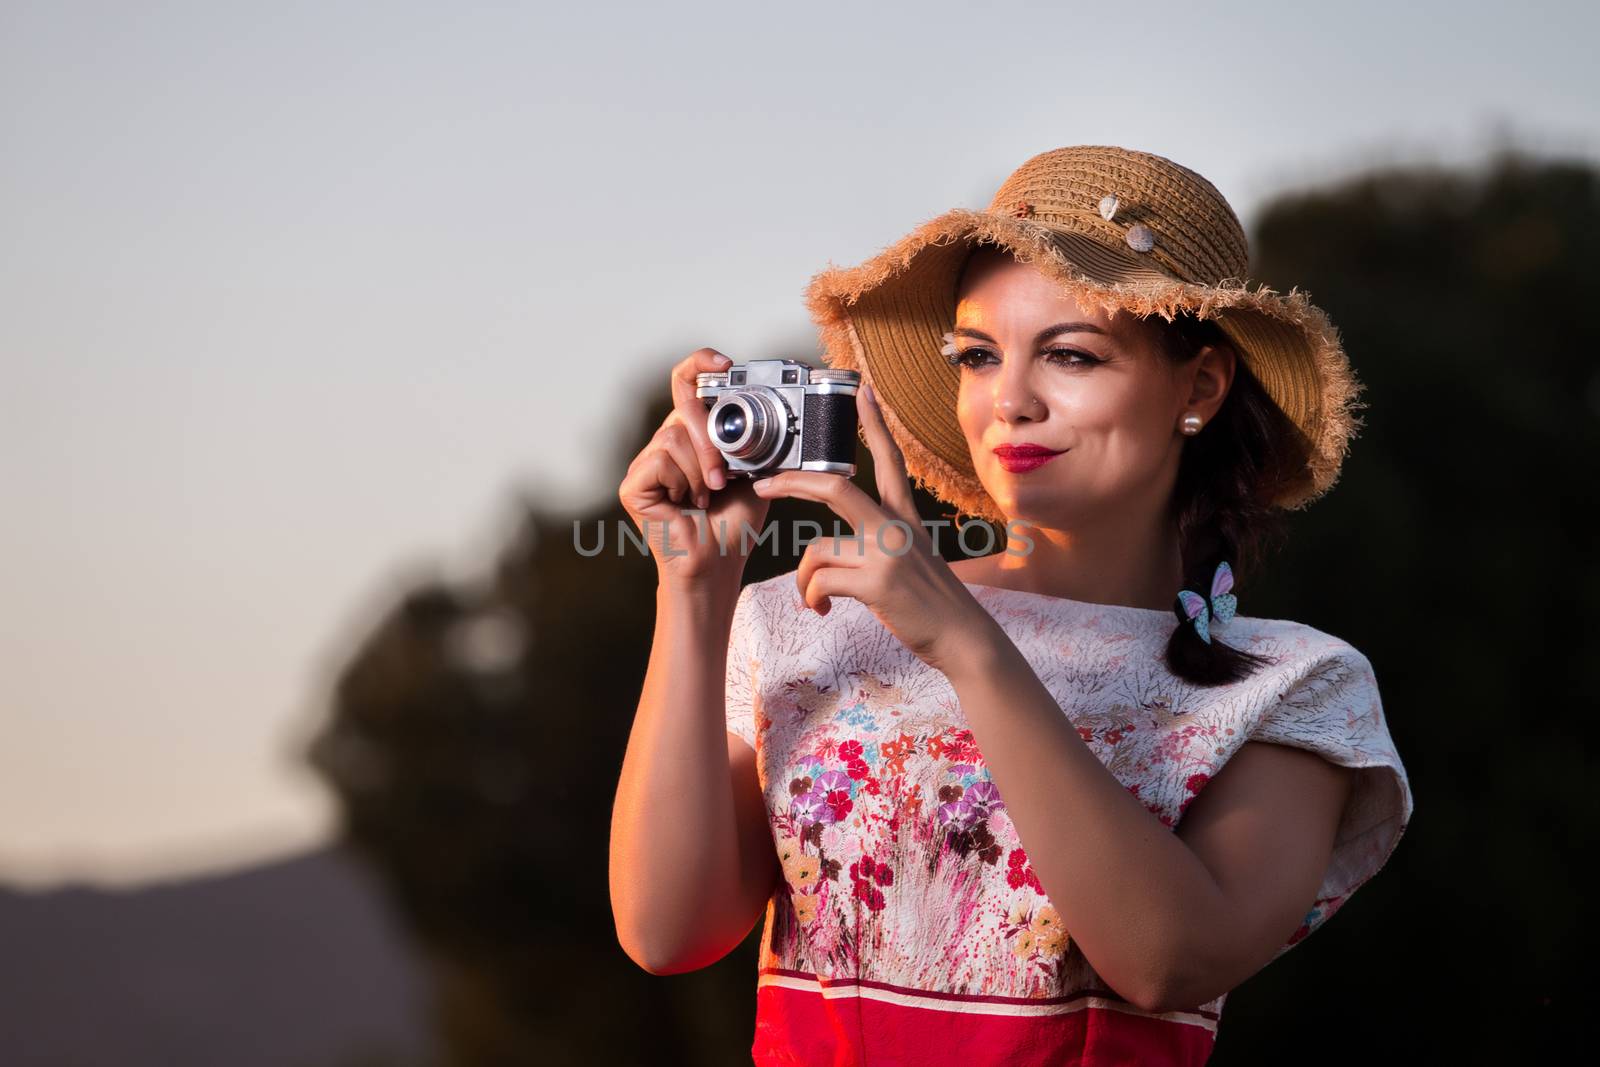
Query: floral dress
(910,927)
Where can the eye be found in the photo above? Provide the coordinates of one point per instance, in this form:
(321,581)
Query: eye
(968,358)
(976,356)
(1071,357)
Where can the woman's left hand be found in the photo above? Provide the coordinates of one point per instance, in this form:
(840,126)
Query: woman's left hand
(889,565)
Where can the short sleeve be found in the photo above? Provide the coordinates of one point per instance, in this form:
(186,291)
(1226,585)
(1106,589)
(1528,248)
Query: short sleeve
(743,650)
(1335,711)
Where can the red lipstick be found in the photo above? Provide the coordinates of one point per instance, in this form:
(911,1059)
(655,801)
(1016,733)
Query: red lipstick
(1019,459)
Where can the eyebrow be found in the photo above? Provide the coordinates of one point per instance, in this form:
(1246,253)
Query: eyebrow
(1043,335)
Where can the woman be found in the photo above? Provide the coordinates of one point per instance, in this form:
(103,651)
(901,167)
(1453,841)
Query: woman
(1047,805)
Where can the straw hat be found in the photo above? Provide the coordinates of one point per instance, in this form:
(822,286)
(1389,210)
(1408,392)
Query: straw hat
(1119,229)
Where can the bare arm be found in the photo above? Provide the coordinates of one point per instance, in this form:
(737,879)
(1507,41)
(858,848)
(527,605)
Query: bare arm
(1170,920)
(692,863)
(1264,827)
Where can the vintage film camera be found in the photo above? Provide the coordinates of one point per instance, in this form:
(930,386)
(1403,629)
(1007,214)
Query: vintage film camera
(771,415)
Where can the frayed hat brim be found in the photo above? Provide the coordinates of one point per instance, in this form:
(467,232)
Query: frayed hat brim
(886,319)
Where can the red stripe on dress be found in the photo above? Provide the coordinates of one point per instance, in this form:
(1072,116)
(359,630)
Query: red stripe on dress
(965,998)
(797,1027)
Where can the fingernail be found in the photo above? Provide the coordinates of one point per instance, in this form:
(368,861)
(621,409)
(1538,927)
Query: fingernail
(722,360)
(762,484)
(715,478)
(872,397)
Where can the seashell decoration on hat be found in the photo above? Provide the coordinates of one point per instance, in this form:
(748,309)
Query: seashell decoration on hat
(1140,237)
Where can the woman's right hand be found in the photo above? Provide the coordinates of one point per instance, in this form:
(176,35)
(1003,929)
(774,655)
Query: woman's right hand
(680,469)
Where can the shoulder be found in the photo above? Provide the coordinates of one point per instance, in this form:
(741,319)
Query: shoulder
(1324,697)
(1301,652)
(1314,684)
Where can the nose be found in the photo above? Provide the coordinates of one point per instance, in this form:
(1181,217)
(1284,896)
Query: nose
(1014,397)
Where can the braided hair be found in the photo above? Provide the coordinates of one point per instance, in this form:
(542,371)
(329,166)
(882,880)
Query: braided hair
(1222,500)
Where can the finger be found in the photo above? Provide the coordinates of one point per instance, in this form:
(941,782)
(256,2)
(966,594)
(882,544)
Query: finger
(888,462)
(674,440)
(652,478)
(828,552)
(842,495)
(692,409)
(823,578)
(670,477)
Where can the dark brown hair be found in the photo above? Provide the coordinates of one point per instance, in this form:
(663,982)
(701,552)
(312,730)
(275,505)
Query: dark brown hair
(1222,501)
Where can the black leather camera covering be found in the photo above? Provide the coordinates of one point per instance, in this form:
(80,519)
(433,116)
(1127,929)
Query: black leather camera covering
(829,429)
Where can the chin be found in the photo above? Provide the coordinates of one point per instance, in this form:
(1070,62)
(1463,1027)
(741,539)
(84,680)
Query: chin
(1037,505)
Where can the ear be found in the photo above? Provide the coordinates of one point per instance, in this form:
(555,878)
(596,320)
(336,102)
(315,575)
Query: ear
(1210,378)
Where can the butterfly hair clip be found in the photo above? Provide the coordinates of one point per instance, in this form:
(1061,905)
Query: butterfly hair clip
(1219,608)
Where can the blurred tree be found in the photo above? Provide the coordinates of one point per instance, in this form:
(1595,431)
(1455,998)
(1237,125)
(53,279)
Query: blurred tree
(1456,553)
(475,739)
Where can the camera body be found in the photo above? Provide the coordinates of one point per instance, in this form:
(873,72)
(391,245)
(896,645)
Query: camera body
(771,415)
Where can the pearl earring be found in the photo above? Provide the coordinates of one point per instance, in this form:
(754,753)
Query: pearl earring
(1192,423)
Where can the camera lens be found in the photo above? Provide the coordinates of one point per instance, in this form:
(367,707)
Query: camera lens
(730,425)
(751,425)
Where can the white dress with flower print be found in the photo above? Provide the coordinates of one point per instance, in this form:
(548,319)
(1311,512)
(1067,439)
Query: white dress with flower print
(910,926)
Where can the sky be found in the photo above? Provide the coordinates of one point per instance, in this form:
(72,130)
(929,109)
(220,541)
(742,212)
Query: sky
(300,302)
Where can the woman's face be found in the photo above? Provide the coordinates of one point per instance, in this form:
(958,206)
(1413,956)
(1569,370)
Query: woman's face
(1039,369)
